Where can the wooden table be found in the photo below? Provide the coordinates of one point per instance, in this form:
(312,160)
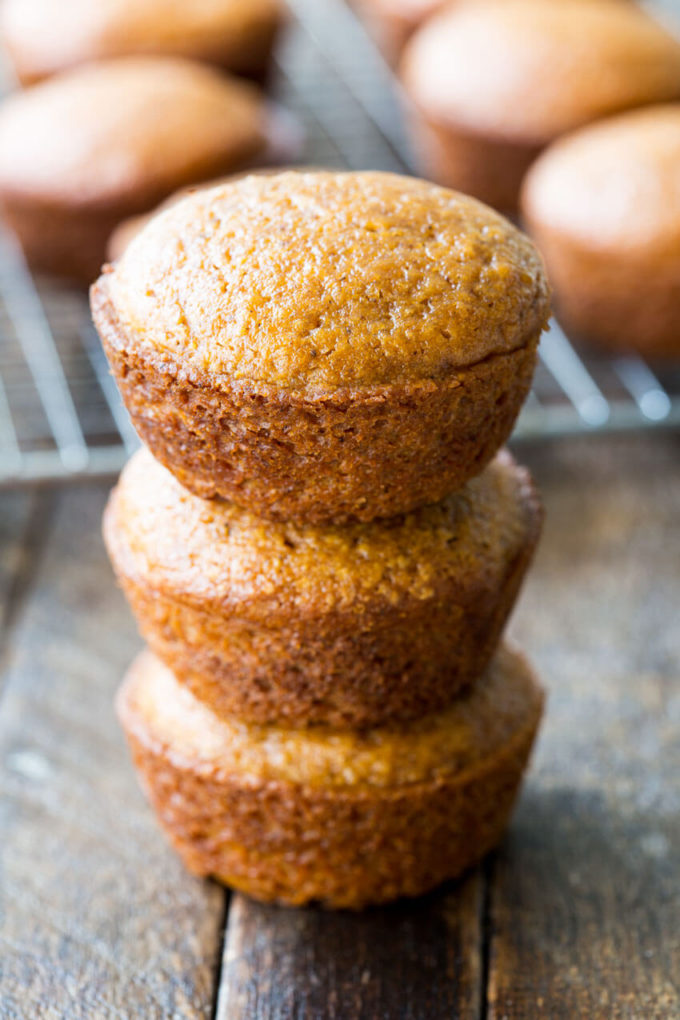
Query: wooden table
(576,916)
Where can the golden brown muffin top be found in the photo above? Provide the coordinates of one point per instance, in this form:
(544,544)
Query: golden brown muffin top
(137,127)
(529,70)
(614,185)
(322,282)
(214,553)
(501,706)
(45,36)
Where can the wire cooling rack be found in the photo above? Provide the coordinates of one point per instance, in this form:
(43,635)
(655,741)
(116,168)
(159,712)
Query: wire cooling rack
(60,414)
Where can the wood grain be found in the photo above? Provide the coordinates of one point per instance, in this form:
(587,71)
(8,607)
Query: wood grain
(412,961)
(585,906)
(97,918)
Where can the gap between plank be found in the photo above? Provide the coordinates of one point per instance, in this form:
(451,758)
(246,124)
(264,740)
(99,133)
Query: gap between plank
(219,963)
(486,924)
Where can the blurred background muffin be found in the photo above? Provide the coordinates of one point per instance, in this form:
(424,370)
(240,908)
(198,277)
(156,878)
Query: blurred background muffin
(492,82)
(604,206)
(43,37)
(94,145)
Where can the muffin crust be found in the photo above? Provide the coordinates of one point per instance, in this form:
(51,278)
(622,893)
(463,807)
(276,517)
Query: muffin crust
(347,819)
(287,342)
(81,152)
(44,37)
(604,206)
(356,626)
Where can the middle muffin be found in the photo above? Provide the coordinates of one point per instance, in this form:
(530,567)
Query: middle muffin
(352,626)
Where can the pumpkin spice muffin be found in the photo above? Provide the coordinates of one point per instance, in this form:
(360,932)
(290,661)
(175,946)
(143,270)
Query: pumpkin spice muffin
(344,818)
(494,81)
(324,346)
(392,22)
(43,37)
(355,626)
(604,206)
(83,151)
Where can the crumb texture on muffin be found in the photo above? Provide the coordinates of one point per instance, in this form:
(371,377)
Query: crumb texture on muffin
(319,282)
(216,554)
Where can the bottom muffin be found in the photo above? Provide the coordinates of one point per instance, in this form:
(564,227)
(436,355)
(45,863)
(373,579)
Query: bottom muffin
(343,818)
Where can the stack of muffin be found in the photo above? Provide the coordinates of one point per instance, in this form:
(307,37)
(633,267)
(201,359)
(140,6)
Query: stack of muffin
(322,544)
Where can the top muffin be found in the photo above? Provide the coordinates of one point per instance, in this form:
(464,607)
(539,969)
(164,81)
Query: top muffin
(47,36)
(324,346)
(317,282)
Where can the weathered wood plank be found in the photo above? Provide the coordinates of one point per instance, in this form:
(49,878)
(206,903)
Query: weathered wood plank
(97,917)
(585,909)
(412,961)
(21,514)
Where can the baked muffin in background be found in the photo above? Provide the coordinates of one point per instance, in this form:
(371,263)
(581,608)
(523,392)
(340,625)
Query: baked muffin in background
(604,206)
(320,347)
(352,626)
(492,82)
(340,817)
(84,150)
(392,22)
(44,37)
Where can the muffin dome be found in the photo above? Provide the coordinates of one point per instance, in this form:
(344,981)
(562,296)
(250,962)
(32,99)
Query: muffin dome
(494,81)
(80,152)
(320,282)
(46,36)
(604,205)
(351,626)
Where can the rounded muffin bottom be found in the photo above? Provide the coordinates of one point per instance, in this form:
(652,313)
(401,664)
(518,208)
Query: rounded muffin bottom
(341,846)
(624,300)
(354,455)
(490,169)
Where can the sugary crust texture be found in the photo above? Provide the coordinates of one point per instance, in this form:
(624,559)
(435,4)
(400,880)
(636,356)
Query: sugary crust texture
(343,846)
(318,283)
(381,623)
(527,72)
(44,37)
(604,206)
(81,153)
(356,455)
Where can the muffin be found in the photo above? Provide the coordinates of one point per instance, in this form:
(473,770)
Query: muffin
(604,206)
(322,347)
(44,37)
(344,818)
(82,151)
(393,21)
(353,626)
(492,82)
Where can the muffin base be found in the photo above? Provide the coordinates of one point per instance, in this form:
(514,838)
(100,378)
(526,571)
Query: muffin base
(624,301)
(490,169)
(377,665)
(350,455)
(342,847)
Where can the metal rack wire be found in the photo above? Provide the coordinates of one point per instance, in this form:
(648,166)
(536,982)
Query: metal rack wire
(60,414)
